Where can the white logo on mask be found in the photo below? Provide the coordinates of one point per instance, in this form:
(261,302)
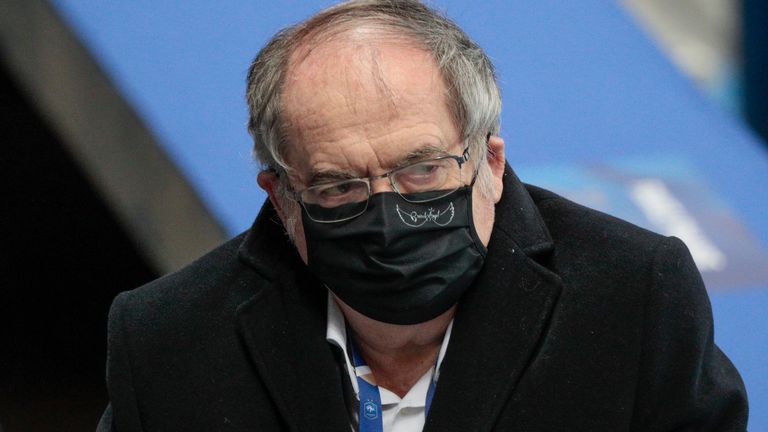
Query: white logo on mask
(416,219)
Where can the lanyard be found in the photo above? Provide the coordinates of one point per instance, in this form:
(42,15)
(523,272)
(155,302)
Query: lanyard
(370,416)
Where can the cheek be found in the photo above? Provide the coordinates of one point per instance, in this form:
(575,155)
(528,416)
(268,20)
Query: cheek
(483,212)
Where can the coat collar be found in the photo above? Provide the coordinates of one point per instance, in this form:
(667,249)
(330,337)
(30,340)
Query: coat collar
(283,328)
(497,327)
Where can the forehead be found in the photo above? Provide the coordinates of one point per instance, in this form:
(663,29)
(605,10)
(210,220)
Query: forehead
(361,102)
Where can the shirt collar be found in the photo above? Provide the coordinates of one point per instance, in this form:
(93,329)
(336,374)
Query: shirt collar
(336,334)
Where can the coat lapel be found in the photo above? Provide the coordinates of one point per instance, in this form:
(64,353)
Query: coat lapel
(500,321)
(283,329)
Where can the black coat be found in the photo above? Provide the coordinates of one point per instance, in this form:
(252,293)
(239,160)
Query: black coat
(578,322)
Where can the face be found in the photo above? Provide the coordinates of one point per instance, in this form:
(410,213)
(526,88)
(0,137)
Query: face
(360,107)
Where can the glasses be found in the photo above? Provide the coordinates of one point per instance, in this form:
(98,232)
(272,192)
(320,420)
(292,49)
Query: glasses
(418,182)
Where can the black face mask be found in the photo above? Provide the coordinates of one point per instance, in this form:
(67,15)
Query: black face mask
(399,262)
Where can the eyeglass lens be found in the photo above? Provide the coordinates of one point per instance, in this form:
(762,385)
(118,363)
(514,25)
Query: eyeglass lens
(419,182)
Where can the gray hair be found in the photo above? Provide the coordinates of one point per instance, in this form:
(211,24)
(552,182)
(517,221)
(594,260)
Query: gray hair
(473,94)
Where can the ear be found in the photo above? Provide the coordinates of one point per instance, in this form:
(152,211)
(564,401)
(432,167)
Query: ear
(268,180)
(497,163)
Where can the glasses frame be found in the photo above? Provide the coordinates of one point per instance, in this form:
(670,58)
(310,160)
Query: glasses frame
(460,160)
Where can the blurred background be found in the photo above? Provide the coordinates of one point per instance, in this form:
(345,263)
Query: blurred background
(125,155)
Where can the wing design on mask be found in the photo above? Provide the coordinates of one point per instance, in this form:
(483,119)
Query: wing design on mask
(446,216)
(416,219)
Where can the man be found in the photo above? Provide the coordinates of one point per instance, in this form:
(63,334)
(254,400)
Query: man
(420,284)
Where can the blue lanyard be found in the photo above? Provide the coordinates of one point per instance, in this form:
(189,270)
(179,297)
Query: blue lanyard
(370,416)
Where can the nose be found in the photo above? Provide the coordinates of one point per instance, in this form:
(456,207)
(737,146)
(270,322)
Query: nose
(381,184)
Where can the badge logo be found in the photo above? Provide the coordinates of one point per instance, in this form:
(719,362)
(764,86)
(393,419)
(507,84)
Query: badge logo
(371,411)
(415,219)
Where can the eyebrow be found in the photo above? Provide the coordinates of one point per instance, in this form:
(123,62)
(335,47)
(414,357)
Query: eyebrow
(326,176)
(426,152)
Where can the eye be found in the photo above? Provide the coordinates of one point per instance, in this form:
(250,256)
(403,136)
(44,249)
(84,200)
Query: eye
(334,190)
(422,176)
(336,194)
(424,168)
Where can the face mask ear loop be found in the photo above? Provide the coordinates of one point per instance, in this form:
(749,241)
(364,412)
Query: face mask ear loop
(282,176)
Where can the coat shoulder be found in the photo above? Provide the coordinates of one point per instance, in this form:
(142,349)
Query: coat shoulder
(186,296)
(603,257)
(573,225)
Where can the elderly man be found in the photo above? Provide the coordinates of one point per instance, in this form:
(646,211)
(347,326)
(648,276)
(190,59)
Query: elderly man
(401,278)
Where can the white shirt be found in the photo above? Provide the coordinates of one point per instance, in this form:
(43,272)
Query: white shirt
(398,415)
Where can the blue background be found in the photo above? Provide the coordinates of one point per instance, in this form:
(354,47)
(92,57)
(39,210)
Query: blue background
(582,85)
